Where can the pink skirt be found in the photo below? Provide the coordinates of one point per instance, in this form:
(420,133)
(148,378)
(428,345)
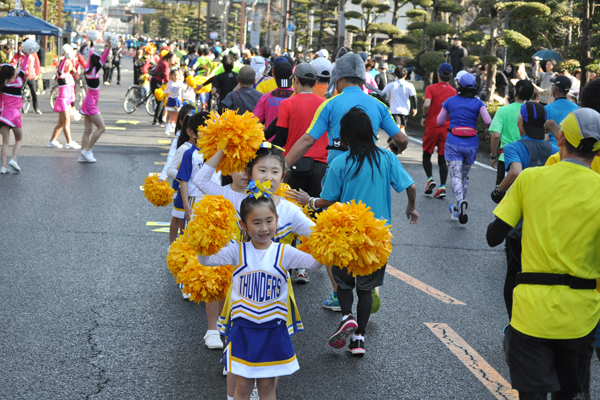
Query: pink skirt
(11,117)
(90,103)
(66,96)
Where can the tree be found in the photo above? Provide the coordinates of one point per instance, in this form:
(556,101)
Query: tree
(371,11)
(517,10)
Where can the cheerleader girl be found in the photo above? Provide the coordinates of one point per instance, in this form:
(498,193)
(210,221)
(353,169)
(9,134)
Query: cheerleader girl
(188,93)
(187,140)
(62,105)
(181,116)
(11,87)
(268,165)
(89,107)
(174,91)
(259,345)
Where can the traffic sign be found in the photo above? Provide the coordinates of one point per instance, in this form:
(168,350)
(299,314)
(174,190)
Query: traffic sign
(38,3)
(291,27)
(144,10)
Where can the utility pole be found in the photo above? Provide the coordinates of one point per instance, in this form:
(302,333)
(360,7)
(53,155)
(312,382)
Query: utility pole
(342,25)
(243,25)
(60,7)
(45,38)
(208,9)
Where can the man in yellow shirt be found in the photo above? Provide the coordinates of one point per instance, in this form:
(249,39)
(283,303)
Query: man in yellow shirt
(556,307)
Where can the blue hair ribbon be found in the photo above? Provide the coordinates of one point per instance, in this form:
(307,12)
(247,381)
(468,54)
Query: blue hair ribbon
(257,190)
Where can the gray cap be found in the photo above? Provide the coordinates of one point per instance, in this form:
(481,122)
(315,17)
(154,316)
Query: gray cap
(349,65)
(306,71)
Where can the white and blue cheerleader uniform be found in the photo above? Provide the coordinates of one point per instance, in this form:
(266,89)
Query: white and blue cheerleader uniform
(174,91)
(260,308)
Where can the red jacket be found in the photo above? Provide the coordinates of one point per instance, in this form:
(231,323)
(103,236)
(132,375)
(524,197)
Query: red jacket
(33,65)
(162,72)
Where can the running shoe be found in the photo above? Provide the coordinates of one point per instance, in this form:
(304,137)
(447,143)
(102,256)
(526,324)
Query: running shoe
(38,112)
(332,303)
(87,157)
(301,276)
(430,186)
(54,144)
(453,211)
(441,193)
(376,302)
(4,170)
(72,145)
(212,340)
(346,328)
(357,347)
(463,217)
(12,164)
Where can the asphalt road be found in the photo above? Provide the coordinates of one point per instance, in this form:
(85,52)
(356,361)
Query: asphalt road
(89,309)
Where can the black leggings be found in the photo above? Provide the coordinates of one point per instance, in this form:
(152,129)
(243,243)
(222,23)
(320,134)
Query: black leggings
(32,83)
(513,267)
(158,114)
(428,167)
(107,74)
(363,309)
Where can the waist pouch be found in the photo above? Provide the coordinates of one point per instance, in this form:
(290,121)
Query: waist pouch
(530,278)
(464,131)
(303,167)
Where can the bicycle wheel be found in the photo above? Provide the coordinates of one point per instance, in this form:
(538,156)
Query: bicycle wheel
(151,105)
(132,99)
(53,96)
(26,100)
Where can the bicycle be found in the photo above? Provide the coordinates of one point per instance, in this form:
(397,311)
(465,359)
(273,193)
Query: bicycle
(80,93)
(136,96)
(26,99)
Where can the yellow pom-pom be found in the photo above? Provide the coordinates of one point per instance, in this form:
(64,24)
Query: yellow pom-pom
(205,284)
(159,94)
(158,192)
(180,253)
(213,225)
(150,48)
(239,136)
(348,235)
(200,81)
(190,81)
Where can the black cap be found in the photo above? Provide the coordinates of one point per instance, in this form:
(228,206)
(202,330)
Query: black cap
(534,119)
(562,82)
(524,89)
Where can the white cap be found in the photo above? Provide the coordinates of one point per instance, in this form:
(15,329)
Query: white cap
(460,73)
(323,66)
(323,53)
(259,65)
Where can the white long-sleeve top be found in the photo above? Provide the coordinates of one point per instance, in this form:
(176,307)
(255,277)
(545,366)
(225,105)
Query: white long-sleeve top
(173,165)
(292,220)
(292,258)
(172,150)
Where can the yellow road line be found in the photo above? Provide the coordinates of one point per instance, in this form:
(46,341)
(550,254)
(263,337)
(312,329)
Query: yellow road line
(160,162)
(490,378)
(164,154)
(115,128)
(423,286)
(163,230)
(164,141)
(152,223)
